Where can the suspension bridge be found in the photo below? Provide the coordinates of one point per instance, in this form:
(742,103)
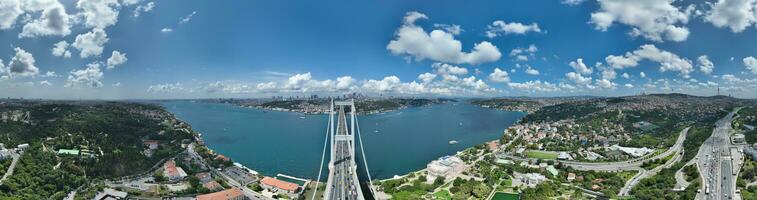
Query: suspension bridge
(343,182)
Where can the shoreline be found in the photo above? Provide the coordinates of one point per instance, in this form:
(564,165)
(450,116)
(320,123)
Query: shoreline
(275,174)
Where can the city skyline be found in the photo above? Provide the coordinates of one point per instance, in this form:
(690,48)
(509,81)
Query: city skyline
(135,49)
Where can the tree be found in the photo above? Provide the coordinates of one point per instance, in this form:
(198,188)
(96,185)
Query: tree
(481,191)
(439,181)
(577,194)
(256,187)
(422,178)
(159,177)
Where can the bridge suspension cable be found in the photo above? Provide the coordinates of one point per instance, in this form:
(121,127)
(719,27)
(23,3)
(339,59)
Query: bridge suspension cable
(323,157)
(362,151)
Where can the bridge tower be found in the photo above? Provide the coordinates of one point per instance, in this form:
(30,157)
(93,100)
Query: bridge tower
(343,180)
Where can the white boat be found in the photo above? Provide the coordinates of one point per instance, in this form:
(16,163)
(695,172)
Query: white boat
(302,117)
(453,142)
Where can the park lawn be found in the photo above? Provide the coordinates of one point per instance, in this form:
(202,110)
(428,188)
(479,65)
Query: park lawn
(442,194)
(541,155)
(505,196)
(507,182)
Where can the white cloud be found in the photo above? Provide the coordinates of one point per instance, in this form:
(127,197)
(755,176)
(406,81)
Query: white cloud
(61,49)
(90,77)
(626,75)
(656,20)
(166,88)
(53,21)
(628,85)
(445,69)
(705,65)
(116,58)
(188,18)
(50,74)
(580,67)
(734,14)
(606,84)
(129,2)
(387,84)
(667,60)
(438,45)
(534,86)
(91,43)
(45,83)
(500,27)
(344,82)
(578,79)
(298,81)
(22,64)
(454,29)
(166,30)
(9,12)
(572,2)
(532,71)
(642,74)
(229,87)
(609,74)
(99,13)
(268,86)
(143,9)
(499,76)
(521,51)
(426,77)
(751,64)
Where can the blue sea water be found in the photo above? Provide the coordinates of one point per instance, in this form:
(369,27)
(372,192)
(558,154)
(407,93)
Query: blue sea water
(396,143)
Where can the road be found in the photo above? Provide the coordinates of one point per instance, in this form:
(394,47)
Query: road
(630,164)
(681,182)
(714,162)
(10,169)
(633,164)
(247,191)
(677,149)
(343,182)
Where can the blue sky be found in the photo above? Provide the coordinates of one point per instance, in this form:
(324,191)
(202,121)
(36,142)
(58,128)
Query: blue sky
(125,49)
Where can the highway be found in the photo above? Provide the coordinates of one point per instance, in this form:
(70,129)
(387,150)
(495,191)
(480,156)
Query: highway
(343,181)
(633,164)
(677,149)
(630,164)
(714,162)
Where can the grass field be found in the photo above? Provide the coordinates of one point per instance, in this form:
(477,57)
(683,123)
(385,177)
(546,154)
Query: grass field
(505,196)
(541,155)
(508,182)
(442,195)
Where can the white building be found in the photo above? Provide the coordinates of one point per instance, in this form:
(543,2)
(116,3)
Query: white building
(635,152)
(564,156)
(532,179)
(444,166)
(22,147)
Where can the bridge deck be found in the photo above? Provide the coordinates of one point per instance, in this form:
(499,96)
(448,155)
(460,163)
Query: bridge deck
(342,182)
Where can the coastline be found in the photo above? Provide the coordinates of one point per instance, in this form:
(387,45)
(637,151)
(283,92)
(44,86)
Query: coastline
(252,170)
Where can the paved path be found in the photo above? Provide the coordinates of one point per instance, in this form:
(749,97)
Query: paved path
(10,169)
(681,183)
